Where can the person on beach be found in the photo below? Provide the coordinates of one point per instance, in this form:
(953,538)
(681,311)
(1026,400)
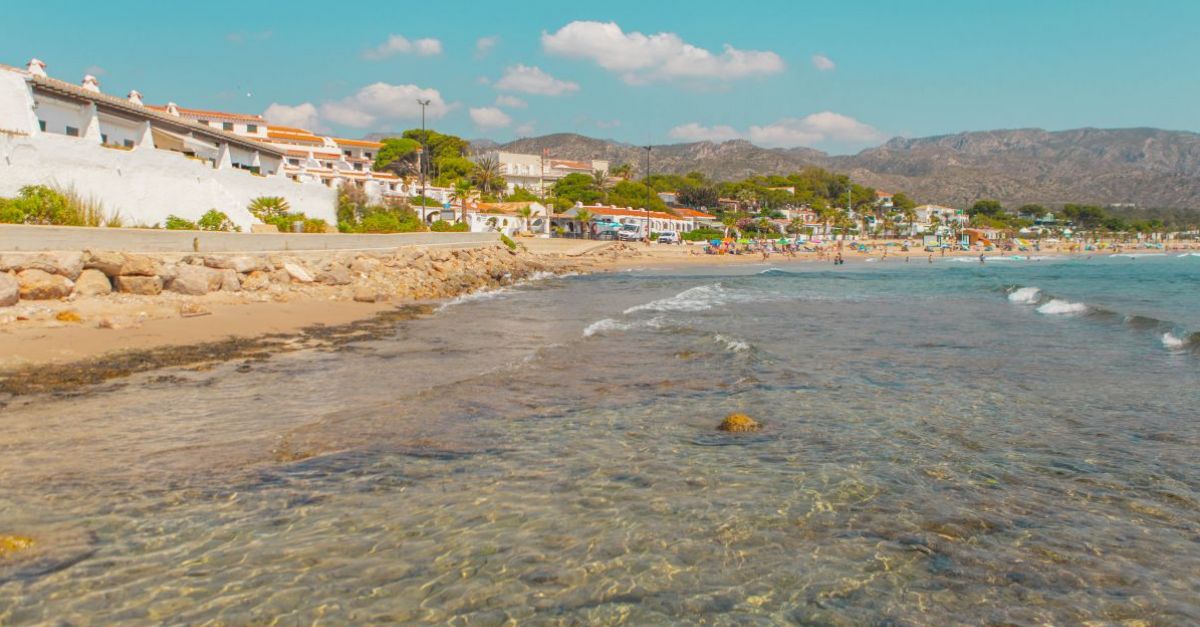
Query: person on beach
(981,258)
(930,257)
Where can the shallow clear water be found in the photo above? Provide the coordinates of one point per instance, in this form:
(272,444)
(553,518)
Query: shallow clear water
(939,448)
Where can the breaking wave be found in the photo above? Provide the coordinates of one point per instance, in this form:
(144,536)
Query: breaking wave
(698,298)
(1025,295)
(1059,307)
(1172,343)
(732,343)
(605,326)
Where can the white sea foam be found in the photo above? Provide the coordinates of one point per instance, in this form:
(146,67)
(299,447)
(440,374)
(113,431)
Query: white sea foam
(697,298)
(1172,343)
(474,296)
(732,343)
(1025,295)
(1057,307)
(610,325)
(605,325)
(1188,255)
(1136,255)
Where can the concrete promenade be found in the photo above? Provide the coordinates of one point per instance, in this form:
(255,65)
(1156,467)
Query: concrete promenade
(14,237)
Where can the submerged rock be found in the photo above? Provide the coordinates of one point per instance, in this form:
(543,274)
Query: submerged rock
(12,544)
(738,423)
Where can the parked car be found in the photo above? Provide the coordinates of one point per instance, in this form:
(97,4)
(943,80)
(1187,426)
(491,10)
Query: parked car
(630,233)
(668,237)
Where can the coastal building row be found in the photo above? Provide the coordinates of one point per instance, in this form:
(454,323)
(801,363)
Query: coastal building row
(143,161)
(539,173)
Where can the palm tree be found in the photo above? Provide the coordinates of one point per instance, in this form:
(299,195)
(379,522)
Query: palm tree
(600,181)
(584,217)
(266,207)
(623,171)
(526,214)
(729,220)
(462,195)
(487,174)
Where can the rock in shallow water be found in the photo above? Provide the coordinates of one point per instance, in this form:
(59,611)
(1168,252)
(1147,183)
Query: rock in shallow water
(12,544)
(738,423)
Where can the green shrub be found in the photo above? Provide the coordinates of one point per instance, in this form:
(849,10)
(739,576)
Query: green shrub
(508,242)
(314,225)
(441,226)
(702,235)
(381,222)
(176,223)
(10,213)
(214,220)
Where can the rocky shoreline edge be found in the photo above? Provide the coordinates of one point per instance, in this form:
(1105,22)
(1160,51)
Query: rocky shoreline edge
(115,290)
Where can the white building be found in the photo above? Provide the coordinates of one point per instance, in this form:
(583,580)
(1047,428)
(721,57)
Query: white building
(505,217)
(141,162)
(538,173)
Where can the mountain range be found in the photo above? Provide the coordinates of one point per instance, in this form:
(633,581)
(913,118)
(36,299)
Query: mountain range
(1140,166)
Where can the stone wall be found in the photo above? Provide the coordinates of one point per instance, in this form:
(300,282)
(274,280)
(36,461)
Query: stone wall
(402,274)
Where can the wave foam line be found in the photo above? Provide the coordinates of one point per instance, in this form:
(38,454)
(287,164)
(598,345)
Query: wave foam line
(1059,307)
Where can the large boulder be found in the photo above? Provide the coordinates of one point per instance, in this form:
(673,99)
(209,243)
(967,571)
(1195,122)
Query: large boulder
(139,265)
(365,265)
(10,290)
(41,285)
(230,281)
(92,282)
(145,285)
(297,272)
(195,280)
(242,264)
(256,281)
(106,261)
(68,264)
(335,274)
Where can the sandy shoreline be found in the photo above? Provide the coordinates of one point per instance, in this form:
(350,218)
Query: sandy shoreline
(42,345)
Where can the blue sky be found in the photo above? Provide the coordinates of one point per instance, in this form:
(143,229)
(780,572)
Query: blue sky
(834,75)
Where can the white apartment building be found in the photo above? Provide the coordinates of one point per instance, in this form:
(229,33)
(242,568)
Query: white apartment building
(538,173)
(142,162)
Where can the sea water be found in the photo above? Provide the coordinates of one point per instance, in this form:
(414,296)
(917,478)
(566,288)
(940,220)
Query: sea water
(943,443)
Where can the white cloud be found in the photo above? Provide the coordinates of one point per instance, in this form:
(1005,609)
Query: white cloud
(816,128)
(303,115)
(532,80)
(490,118)
(504,100)
(526,129)
(823,63)
(397,44)
(484,45)
(694,132)
(608,123)
(382,102)
(640,58)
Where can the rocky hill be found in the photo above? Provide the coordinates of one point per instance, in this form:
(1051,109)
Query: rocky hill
(1147,167)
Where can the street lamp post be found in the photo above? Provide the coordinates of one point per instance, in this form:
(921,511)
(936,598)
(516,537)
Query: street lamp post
(649,191)
(423,103)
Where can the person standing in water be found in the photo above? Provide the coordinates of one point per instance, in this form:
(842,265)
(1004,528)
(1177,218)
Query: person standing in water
(981,258)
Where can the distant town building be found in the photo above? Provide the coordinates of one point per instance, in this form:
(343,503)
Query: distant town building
(538,173)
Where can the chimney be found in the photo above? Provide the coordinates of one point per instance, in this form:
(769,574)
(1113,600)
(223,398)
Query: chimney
(172,109)
(36,67)
(91,84)
(135,97)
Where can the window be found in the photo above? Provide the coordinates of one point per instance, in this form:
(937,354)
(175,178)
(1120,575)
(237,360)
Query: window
(128,143)
(347,153)
(227,126)
(367,155)
(358,166)
(294,161)
(204,122)
(42,125)
(72,131)
(103,138)
(251,128)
